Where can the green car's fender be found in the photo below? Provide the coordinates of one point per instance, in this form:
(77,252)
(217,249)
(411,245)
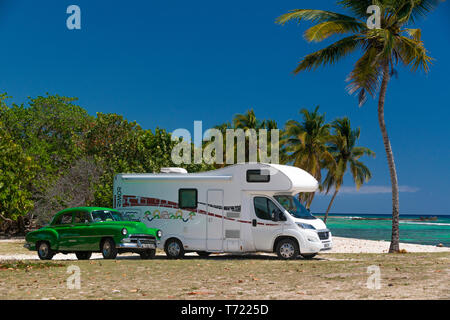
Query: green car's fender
(43,234)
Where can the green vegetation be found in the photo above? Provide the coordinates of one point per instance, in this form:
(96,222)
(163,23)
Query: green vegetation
(382,49)
(55,155)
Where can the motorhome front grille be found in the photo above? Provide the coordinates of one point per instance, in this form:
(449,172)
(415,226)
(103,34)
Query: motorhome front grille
(323,235)
(144,239)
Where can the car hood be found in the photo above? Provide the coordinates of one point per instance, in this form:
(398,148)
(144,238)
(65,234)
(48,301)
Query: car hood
(132,226)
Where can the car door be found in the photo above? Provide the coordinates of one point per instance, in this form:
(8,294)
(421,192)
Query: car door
(64,227)
(83,231)
(264,229)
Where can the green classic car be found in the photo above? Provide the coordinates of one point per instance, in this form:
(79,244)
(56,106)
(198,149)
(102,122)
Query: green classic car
(91,229)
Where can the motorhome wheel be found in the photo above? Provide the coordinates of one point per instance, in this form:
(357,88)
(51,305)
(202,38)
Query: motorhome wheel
(287,249)
(174,249)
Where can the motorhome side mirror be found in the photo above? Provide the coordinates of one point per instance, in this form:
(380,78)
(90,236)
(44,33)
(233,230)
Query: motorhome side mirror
(276,215)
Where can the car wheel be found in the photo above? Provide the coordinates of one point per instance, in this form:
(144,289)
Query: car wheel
(203,253)
(308,256)
(44,251)
(147,254)
(109,250)
(174,249)
(83,255)
(287,249)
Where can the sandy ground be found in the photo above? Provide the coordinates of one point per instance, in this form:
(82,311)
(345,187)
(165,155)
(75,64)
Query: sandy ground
(340,245)
(349,245)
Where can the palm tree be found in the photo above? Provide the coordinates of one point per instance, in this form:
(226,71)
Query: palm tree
(305,145)
(381,49)
(247,121)
(346,154)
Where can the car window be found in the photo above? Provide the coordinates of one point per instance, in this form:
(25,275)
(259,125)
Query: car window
(106,215)
(65,218)
(81,217)
(264,208)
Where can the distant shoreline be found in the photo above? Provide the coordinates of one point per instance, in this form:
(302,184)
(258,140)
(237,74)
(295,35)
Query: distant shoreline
(443,215)
(421,218)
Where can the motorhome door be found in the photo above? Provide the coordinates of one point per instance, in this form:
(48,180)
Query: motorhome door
(264,229)
(214,225)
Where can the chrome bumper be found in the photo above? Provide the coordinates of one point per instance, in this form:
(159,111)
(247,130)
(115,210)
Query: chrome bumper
(130,245)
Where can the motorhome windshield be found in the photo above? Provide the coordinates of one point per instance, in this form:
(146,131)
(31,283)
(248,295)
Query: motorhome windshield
(294,207)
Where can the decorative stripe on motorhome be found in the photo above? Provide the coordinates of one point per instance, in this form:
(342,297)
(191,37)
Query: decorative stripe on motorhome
(135,201)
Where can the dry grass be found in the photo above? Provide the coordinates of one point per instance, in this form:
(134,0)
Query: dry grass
(331,276)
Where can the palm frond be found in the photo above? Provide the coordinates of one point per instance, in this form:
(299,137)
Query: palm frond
(330,54)
(415,34)
(326,29)
(409,11)
(358,7)
(412,52)
(313,15)
(365,76)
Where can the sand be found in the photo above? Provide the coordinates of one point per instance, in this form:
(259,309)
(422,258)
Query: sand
(349,245)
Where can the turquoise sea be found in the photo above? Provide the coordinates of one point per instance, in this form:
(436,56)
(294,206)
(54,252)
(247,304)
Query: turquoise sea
(420,232)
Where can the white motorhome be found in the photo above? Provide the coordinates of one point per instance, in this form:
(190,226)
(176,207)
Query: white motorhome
(239,208)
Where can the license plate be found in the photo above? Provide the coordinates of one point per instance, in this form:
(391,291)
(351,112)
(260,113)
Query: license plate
(147,245)
(326,245)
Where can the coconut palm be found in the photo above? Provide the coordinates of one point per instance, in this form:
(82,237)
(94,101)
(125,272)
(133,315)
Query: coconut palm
(305,146)
(346,154)
(382,49)
(247,121)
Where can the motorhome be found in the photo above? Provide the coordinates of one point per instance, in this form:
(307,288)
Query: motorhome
(237,209)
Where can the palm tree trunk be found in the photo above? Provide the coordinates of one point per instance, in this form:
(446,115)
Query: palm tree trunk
(329,206)
(395,238)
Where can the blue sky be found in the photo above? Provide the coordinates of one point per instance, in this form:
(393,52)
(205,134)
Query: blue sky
(168,63)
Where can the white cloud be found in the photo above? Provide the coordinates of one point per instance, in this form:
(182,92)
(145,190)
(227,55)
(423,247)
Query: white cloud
(374,189)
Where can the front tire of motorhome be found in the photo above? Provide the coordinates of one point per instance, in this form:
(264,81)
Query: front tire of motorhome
(174,249)
(287,249)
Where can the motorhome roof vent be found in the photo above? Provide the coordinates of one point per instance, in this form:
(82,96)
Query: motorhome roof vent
(173,170)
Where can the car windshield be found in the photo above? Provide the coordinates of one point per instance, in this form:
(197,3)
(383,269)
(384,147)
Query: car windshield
(294,207)
(106,215)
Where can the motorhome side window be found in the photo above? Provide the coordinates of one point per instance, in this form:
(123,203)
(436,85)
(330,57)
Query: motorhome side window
(258,176)
(264,208)
(187,198)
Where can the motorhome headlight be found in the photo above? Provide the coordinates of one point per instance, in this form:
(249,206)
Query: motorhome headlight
(124,231)
(159,233)
(306,226)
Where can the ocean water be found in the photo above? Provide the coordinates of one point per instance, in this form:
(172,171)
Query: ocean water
(420,232)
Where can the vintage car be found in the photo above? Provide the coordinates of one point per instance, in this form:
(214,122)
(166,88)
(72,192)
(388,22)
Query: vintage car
(91,229)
